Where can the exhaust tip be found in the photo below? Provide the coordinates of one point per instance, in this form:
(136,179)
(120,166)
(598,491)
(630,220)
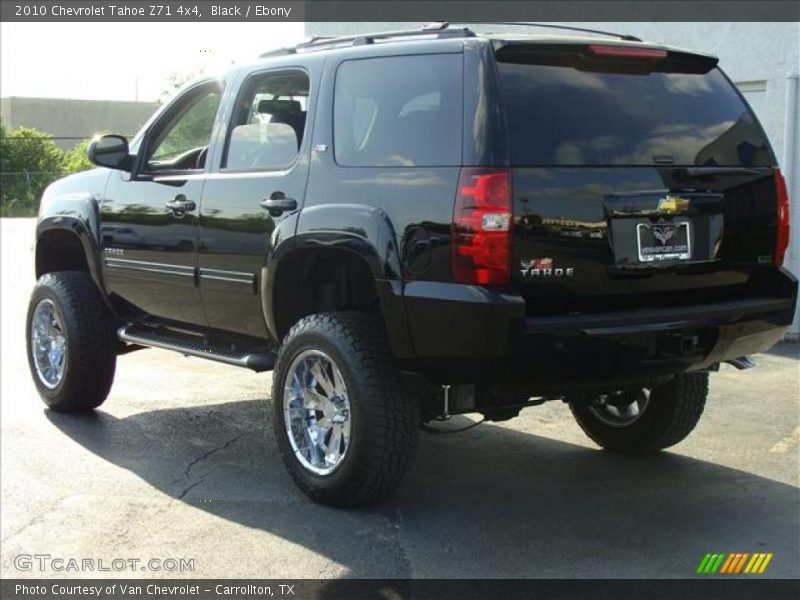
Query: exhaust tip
(742,362)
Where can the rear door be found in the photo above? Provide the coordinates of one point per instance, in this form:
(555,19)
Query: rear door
(258,182)
(640,178)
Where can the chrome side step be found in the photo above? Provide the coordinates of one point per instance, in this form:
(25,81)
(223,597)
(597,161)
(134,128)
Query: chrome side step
(191,345)
(742,362)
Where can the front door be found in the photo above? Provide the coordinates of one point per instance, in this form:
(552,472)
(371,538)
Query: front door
(149,219)
(260,181)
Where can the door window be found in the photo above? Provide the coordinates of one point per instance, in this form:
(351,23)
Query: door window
(182,143)
(269,121)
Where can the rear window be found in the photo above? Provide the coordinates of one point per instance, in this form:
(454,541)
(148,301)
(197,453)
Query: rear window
(400,111)
(559,115)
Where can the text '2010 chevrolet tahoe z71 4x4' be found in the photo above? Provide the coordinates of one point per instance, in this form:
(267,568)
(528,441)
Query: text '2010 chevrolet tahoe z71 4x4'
(410,225)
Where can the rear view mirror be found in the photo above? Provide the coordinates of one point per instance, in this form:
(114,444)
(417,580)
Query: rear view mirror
(109,151)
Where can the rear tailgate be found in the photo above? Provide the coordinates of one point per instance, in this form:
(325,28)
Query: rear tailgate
(638,181)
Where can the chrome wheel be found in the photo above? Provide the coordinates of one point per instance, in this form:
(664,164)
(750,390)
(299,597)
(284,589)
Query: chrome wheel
(48,344)
(316,411)
(622,408)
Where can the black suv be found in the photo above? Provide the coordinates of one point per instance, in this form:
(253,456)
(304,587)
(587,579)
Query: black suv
(409,225)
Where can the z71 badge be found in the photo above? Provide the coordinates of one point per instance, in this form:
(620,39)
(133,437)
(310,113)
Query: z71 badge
(543,267)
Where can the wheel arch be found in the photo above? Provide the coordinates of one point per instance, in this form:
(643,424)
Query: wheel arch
(343,257)
(68,244)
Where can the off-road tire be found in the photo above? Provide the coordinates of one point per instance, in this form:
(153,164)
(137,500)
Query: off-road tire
(672,413)
(91,356)
(385,419)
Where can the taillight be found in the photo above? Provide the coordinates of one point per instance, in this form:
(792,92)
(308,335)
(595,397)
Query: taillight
(782,239)
(481,230)
(627,52)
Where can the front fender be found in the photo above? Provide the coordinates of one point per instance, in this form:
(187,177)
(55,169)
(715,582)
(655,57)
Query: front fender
(72,205)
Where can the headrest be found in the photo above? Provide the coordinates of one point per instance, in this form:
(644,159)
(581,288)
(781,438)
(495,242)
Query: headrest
(272,107)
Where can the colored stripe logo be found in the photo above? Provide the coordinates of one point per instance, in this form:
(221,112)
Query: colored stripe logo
(734,562)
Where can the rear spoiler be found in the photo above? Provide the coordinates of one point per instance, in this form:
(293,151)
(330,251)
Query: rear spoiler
(604,56)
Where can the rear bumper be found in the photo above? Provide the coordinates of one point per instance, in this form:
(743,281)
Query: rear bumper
(472,334)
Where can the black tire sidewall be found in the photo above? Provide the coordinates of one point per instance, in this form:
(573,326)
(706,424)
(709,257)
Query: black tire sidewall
(635,435)
(671,414)
(348,473)
(90,360)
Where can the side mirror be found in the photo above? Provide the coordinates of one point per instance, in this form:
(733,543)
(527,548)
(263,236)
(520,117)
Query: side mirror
(110,151)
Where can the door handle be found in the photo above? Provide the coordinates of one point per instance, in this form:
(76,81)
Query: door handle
(278,203)
(180,205)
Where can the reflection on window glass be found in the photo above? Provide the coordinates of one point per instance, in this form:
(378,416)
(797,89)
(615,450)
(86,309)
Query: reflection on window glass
(399,111)
(191,131)
(562,116)
(269,122)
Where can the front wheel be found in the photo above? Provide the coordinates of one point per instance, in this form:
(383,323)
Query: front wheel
(345,428)
(644,420)
(70,341)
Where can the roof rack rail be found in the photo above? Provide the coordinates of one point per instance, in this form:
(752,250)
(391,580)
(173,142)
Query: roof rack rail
(319,43)
(443,25)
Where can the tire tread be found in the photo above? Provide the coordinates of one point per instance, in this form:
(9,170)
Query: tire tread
(393,417)
(91,341)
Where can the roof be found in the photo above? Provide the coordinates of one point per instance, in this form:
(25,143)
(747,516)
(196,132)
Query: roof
(442,31)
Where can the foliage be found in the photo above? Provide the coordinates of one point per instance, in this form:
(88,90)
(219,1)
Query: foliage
(29,162)
(76,160)
(193,129)
(175,81)
(30,159)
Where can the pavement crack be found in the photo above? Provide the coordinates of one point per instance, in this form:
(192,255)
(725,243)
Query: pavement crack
(189,488)
(188,470)
(36,519)
(405,559)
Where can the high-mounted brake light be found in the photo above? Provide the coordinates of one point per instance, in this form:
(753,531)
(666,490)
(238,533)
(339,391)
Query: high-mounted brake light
(627,52)
(481,229)
(782,238)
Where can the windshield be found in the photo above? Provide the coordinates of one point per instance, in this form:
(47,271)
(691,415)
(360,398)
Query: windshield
(559,115)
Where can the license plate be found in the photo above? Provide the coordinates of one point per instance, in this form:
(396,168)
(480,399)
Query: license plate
(664,241)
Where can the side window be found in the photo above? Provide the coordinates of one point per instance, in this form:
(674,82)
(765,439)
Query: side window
(269,121)
(399,111)
(182,142)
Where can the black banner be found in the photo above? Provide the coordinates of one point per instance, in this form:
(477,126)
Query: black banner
(369,589)
(398,10)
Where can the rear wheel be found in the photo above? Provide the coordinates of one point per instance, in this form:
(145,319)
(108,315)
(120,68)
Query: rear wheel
(644,420)
(345,428)
(70,342)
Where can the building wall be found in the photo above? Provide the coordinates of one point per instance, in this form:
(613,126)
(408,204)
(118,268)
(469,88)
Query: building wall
(763,59)
(70,121)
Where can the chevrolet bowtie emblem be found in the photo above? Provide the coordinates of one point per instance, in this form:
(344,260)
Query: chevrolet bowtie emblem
(671,205)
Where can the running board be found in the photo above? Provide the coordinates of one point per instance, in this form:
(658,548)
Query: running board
(192,345)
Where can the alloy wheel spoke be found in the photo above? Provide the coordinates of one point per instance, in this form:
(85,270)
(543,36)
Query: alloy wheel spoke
(317,412)
(321,377)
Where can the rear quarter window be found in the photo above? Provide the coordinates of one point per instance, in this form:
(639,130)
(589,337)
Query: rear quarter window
(559,115)
(399,111)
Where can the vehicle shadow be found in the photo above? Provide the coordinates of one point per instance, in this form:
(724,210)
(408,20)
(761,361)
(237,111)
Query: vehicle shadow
(492,502)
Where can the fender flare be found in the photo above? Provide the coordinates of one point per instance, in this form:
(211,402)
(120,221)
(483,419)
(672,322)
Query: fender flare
(78,215)
(362,230)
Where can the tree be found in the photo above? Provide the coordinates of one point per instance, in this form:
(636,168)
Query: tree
(76,160)
(175,81)
(29,162)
